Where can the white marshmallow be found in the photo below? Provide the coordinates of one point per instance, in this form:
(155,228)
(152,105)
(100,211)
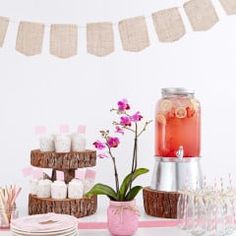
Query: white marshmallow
(34,186)
(75,189)
(89,181)
(44,188)
(88,185)
(47,143)
(78,142)
(63,143)
(59,190)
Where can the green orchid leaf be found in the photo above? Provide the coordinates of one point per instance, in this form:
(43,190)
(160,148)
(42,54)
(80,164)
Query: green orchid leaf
(133,193)
(101,189)
(128,180)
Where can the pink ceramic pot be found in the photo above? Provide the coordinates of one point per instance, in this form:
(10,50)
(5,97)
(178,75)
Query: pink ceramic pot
(122,218)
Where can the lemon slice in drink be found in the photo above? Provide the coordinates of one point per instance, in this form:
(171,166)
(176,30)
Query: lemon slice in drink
(180,112)
(161,119)
(166,106)
(194,104)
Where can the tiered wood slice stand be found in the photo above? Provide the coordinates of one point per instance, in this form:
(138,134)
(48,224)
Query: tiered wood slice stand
(68,163)
(160,204)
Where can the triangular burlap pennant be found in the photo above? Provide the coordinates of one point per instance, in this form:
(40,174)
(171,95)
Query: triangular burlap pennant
(201,13)
(169,25)
(229,6)
(100,38)
(30,38)
(4,22)
(63,40)
(134,34)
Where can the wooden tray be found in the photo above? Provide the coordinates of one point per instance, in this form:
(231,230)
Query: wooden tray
(75,207)
(63,161)
(160,204)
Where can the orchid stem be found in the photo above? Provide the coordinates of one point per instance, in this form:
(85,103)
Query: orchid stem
(145,127)
(115,170)
(134,160)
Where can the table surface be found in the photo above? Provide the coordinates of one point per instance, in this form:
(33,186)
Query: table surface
(141,232)
(166,230)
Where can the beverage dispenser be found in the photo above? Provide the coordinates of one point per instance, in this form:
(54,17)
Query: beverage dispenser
(177,149)
(178,124)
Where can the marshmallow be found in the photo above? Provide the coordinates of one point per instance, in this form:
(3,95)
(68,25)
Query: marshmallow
(78,142)
(63,143)
(59,190)
(34,186)
(44,188)
(75,189)
(90,176)
(47,143)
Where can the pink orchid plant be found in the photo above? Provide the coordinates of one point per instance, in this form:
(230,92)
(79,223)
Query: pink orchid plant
(127,122)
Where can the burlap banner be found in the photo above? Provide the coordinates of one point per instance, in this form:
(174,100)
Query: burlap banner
(30,38)
(3,29)
(201,13)
(100,39)
(134,36)
(169,25)
(63,40)
(229,6)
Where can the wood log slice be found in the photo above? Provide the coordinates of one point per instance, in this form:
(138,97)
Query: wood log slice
(63,161)
(75,207)
(160,204)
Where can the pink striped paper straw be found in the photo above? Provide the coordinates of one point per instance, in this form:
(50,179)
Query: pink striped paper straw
(37,173)
(40,130)
(90,174)
(64,128)
(16,196)
(80,174)
(27,171)
(60,175)
(81,129)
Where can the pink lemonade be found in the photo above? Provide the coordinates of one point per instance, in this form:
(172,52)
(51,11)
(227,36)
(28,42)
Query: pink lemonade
(178,123)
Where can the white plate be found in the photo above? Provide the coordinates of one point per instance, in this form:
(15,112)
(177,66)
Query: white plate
(64,233)
(45,223)
(15,229)
(72,234)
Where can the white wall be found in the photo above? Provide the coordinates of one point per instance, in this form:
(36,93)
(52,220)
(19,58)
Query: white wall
(47,90)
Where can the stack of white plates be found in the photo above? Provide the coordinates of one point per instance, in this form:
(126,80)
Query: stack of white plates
(45,225)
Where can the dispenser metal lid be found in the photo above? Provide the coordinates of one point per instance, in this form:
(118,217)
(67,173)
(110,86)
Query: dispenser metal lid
(176,91)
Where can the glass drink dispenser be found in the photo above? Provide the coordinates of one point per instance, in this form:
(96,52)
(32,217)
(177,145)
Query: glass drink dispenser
(177,141)
(177,124)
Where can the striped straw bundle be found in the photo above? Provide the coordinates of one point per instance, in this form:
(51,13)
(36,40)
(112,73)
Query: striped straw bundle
(8,196)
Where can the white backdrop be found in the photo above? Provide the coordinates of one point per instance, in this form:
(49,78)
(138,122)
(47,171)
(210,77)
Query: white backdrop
(50,91)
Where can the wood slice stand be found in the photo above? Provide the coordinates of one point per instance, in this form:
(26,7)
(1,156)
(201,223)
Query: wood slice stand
(160,204)
(68,163)
(75,207)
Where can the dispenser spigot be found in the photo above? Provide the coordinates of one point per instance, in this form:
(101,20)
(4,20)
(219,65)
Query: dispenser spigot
(180,153)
